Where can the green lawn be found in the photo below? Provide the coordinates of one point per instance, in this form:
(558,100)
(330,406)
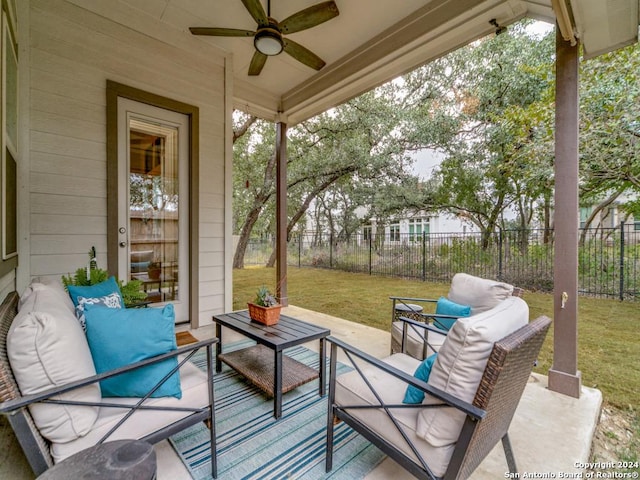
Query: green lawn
(608,340)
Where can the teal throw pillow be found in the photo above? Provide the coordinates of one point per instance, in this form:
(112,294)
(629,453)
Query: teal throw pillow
(447,307)
(98,290)
(414,395)
(119,337)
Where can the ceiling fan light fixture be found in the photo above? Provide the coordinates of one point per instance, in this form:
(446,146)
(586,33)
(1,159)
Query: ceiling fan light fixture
(268,41)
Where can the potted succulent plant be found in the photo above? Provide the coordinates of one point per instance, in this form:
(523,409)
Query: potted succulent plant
(265,308)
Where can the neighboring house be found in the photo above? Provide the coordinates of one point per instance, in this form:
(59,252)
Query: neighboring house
(611,216)
(411,229)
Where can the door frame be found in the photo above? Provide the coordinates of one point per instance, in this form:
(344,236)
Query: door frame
(115,90)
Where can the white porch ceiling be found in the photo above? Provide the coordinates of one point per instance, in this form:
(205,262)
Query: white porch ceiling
(371,42)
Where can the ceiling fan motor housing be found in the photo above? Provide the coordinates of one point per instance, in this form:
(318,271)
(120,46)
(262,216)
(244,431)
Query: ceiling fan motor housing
(268,39)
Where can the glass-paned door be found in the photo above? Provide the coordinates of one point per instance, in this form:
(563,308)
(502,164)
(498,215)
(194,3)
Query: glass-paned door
(153,202)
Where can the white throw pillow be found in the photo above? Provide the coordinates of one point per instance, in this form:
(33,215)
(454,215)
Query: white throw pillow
(460,365)
(47,348)
(480,294)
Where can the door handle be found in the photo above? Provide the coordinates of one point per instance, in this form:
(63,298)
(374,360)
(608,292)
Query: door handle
(123,244)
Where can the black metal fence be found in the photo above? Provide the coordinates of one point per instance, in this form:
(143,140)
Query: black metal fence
(609,258)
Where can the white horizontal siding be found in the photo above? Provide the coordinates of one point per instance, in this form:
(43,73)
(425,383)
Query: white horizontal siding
(65,107)
(49,244)
(7,284)
(46,163)
(77,186)
(65,205)
(74,48)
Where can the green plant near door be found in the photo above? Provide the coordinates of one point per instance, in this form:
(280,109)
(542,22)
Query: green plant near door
(131,291)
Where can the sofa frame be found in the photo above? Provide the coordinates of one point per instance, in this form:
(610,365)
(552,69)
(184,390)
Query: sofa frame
(36,447)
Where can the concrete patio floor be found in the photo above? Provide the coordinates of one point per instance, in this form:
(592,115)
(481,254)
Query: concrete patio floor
(551,434)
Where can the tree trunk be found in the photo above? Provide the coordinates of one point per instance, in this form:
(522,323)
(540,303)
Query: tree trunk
(258,204)
(492,221)
(601,206)
(245,234)
(305,205)
(547,219)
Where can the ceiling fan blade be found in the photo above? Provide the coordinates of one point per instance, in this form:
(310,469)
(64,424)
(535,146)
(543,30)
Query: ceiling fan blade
(254,7)
(302,54)
(257,62)
(221,32)
(309,17)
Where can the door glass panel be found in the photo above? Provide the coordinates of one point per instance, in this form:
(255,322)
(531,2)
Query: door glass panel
(154,199)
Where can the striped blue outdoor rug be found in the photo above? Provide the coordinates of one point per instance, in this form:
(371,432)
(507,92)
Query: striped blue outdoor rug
(253,445)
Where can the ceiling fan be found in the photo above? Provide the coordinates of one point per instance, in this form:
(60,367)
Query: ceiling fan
(268,39)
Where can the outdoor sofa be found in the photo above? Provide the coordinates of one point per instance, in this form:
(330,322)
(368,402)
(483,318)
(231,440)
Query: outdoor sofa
(53,398)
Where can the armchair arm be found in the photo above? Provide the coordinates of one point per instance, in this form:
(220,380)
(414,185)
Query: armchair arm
(383,413)
(422,330)
(435,319)
(17,403)
(447,399)
(410,299)
(425,325)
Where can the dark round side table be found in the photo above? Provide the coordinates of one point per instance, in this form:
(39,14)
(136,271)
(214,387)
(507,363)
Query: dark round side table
(408,310)
(118,460)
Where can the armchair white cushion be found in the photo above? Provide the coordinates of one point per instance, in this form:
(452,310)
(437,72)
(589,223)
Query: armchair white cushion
(145,422)
(461,362)
(352,390)
(480,294)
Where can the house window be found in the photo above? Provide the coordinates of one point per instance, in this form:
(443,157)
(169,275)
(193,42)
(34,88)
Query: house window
(613,217)
(394,232)
(366,233)
(585,212)
(636,225)
(418,226)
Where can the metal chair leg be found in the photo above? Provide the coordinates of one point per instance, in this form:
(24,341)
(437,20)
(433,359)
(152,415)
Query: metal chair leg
(508,452)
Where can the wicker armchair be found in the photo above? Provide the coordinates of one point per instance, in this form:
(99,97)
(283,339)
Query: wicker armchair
(407,336)
(367,403)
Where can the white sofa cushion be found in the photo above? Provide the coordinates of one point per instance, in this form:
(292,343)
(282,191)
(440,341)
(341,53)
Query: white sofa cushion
(352,390)
(44,283)
(479,293)
(461,362)
(195,393)
(47,348)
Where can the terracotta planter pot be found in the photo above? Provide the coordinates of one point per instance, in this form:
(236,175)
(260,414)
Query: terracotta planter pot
(264,315)
(154,272)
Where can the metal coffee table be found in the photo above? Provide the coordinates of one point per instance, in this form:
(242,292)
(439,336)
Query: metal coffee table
(264,364)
